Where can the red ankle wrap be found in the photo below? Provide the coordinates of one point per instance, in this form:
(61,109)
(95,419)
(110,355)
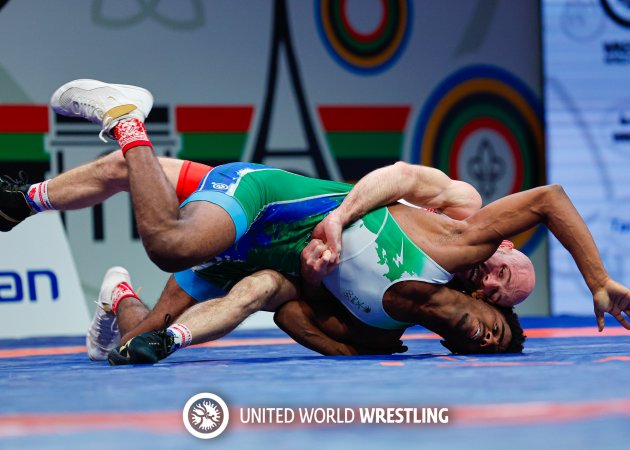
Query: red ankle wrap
(122,291)
(131,133)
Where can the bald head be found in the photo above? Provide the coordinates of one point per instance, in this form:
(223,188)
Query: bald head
(522,277)
(505,279)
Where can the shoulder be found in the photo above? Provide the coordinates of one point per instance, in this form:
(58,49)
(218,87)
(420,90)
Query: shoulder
(403,301)
(418,292)
(412,290)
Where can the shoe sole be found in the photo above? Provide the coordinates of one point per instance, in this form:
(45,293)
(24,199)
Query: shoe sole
(7,223)
(139,356)
(136,94)
(116,359)
(135,355)
(113,277)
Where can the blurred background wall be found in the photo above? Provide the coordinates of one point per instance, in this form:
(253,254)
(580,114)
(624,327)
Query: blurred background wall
(327,88)
(586,60)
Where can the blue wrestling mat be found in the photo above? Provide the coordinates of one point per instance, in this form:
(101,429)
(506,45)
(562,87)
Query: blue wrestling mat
(568,390)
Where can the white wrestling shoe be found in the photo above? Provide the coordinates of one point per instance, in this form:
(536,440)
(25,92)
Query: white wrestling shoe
(103,335)
(102,103)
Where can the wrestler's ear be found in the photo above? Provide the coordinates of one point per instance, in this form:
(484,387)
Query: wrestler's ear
(508,245)
(450,347)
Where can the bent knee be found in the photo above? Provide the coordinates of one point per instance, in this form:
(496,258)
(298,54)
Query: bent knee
(264,283)
(112,169)
(267,280)
(258,291)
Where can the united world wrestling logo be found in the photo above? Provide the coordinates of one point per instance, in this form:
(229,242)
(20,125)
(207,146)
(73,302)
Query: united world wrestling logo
(206,415)
(483,125)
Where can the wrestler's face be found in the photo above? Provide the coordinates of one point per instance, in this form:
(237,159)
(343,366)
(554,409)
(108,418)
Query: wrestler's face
(480,328)
(506,279)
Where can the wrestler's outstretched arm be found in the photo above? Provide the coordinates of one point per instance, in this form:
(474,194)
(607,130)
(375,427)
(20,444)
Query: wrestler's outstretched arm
(322,325)
(297,319)
(549,205)
(420,185)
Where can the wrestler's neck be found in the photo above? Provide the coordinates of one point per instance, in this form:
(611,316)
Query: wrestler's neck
(439,316)
(414,302)
(439,237)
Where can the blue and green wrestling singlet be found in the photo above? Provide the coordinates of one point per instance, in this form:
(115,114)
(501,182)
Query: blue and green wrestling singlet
(274,213)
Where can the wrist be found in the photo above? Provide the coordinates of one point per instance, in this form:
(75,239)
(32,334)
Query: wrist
(597,283)
(342,216)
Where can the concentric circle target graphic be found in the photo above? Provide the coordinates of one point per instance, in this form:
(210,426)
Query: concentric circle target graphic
(483,125)
(358,49)
(617,10)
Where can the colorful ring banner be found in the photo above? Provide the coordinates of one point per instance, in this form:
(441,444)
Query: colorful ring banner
(364,52)
(483,125)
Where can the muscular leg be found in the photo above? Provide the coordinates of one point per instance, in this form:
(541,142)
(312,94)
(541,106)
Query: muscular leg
(263,291)
(174,238)
(135,318)
(99,180)
(86,186)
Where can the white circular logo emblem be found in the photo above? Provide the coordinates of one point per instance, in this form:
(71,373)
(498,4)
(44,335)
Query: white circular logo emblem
(205,415)
(220,186)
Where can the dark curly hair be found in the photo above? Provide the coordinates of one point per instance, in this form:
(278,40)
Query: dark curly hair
(518,336)
(514,346)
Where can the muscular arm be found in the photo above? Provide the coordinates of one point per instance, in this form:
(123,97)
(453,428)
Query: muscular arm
(419,185)
(323,325)
(551,206)
(547,205)
(297,319)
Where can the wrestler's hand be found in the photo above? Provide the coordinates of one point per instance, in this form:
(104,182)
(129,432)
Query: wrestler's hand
(329,231)
(613,298)
(315,262)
